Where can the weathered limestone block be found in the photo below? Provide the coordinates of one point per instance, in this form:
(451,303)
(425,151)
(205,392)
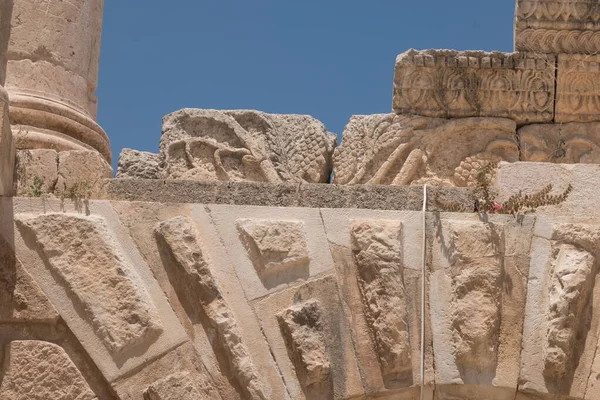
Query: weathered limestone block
(138,164)
(578,88)
(302,328)
(81,171)
(52,73)
(572,281)
(478,288)
(82,254)
(450,84)
(36,171)
(180,386)
(212,145)
(309,334)
(561,332)
(182,240)
(394,149)
(377,248)
(569,143)
(558,26)
(21,299)
(36,370)
(275,245)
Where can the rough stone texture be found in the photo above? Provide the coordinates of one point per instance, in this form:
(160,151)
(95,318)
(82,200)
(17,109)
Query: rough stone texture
(239,145)
(35,164)
(302,328)
(52,73)
(451,84)
(138,164)
(7,146)
(558,26)
(561,331)
(274,245)
(578,90)
(478,290)
(569,143)
(82,171)
(35,370)
(21,299)
(327,342)
(181,238)
(377,248)
(82,254)
(405,149)
(180,386)
(375,197)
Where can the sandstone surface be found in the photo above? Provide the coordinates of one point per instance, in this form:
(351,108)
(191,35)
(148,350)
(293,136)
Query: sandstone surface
(138,164)
(37,171)
(239,145)
(405,149)
(557,26)
(36,370)
(452,84)
(569,143)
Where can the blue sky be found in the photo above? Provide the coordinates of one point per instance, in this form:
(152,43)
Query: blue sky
(327,58)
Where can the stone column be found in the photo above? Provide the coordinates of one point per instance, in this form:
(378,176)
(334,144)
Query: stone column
(7,148)
(52,73)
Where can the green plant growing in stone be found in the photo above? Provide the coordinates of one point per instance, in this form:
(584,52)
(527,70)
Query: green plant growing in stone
(79,191)
(517,204)
(35,188)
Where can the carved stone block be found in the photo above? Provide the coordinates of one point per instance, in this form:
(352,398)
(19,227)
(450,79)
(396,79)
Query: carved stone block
(239,145)
(377,248)
(82,254)
(275,245)
(558,26)
(302,327)
(81,168)
(182,240)
(309,334)
(477,296)
(399,150)
(36,370)
(570,143)
(451,84)
(578,88)
(561,332)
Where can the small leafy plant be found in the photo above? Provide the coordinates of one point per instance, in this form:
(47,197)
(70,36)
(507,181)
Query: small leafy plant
(517,204)
(36,187)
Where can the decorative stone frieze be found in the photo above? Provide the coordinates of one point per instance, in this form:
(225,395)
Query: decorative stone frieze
(578,88)
(452,84)
(558,26)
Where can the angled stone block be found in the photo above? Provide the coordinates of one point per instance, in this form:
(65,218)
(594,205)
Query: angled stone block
(452,84)
(561,332)
(274,245)
(180,386)
(558,26)
(182,240)
(82,254)
(302,327)
(377,249)
(36,370)
(478,289)
(578,88)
